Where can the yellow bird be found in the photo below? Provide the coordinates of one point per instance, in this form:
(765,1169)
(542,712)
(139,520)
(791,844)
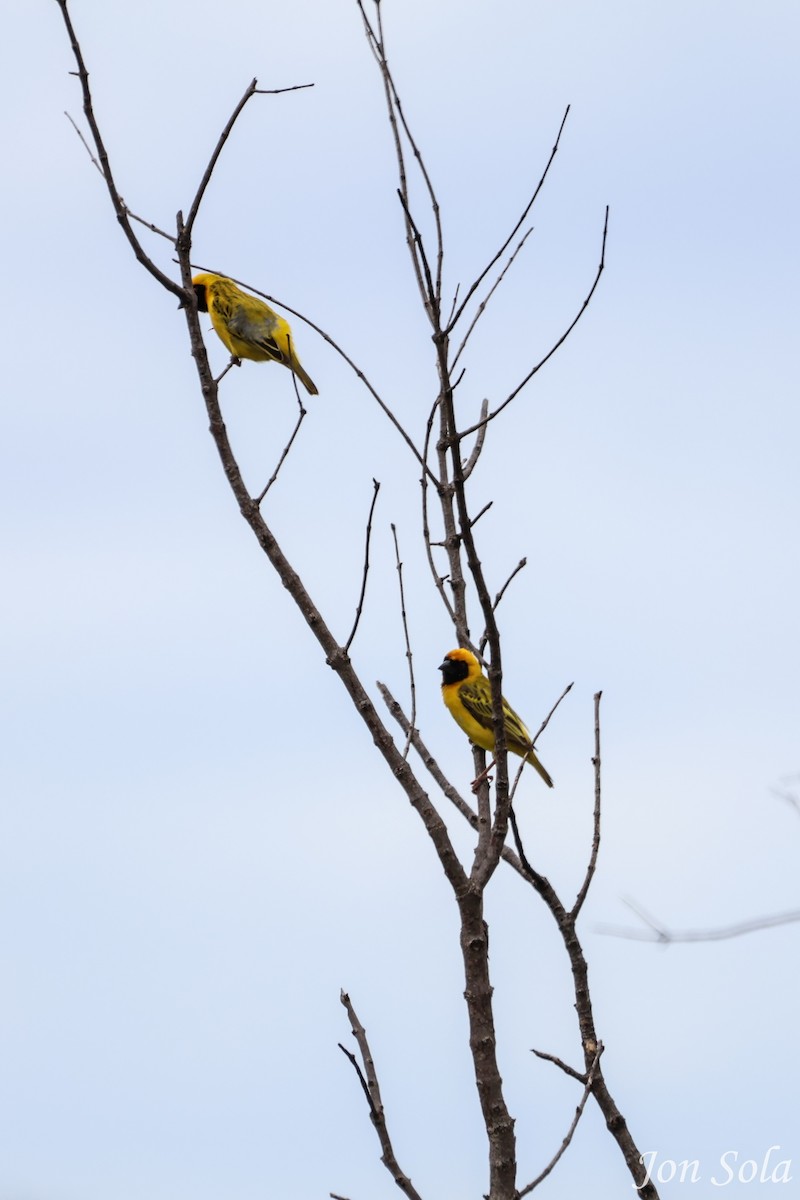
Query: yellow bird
(467,693)
(248,326)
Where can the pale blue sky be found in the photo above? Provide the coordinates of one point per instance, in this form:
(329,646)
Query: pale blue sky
(199,846)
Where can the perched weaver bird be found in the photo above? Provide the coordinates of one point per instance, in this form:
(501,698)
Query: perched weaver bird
(248,326)
(467,693)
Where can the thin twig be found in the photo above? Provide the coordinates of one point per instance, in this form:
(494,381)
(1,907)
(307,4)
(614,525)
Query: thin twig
(482,306)
(587,1091)
(523,562)
(438,580)
(512,395)
(590,870)
(528,869)
(376,488)
(477,283)
(513,789)
(474,520)
(453,305)
(373,1093)
(562,1066)
(133,216)
(409,656)
(365,1087)
(470,464)
(86,145)
(423,258)
(437,292)
(105,166)
(250,91)
(549,716)
(295,87)
(375,43)
(287,447)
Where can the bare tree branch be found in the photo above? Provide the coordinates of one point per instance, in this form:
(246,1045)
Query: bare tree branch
(438,580)
(287,447)
(556,345)
(105,167)
(591,868)
(251,90)
(376,488)
(587,1091)
(562,1066)
(523,562)
(566,922)
(479,280)
(373,1093)
(376,44)
(471,463)
(474,520)
(409,656)
(170,237)
(482,306)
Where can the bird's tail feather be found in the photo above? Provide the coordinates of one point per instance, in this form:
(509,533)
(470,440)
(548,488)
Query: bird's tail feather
(534,761)
(306,380)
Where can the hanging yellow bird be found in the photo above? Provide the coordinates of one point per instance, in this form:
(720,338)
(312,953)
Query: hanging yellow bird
(468,694)
(248,326)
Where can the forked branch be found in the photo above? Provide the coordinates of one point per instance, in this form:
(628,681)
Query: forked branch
(105,167)
(369,1082)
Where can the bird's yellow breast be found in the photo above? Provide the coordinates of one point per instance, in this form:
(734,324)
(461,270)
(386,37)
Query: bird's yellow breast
(476,732)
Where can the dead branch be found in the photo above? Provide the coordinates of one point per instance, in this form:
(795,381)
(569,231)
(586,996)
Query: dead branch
(591,868)
(438,580)
(523,562)
(587,1091)
(481,309)
(556,345)
(493,261)
(369,1082)
(376,488)
(285,452)
(105,167)
(406,637)
(471,463)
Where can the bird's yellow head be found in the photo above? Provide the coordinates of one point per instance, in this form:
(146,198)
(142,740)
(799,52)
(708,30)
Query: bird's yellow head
(459,665)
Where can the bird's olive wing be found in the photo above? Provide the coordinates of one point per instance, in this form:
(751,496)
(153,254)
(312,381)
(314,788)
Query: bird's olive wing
(257,331)
(477,700)
(517,736)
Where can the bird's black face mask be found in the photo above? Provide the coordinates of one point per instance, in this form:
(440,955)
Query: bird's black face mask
(200,294)
(453,670)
